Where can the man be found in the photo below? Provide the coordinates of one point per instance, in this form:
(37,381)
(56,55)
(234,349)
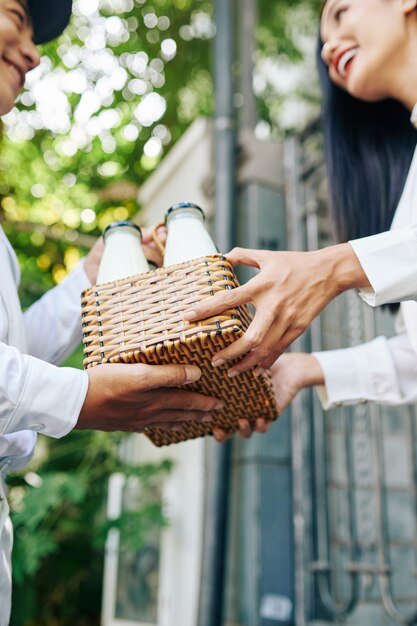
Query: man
(35,394)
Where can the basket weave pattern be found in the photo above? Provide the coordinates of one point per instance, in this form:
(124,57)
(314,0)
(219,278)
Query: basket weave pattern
(140,320)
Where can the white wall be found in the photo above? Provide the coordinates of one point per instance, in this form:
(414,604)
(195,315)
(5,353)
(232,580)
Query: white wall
(184,175)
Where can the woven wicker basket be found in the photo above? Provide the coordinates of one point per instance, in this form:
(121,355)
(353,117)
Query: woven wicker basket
(140,320)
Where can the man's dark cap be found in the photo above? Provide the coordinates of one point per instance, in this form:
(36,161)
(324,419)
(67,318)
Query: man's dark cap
(49,18)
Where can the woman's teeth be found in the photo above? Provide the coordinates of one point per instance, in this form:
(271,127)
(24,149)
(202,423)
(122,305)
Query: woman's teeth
(344,60)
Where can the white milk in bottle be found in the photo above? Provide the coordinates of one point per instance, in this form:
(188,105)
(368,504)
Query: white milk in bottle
(123,255)
(187,237)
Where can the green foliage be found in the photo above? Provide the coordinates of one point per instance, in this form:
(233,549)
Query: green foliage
(58,511)
(123,84)
(112,96)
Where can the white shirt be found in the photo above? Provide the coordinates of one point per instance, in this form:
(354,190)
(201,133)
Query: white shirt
(383,370)
(35,395)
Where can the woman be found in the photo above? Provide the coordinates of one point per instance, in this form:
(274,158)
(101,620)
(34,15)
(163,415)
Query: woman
(35,394)
(370,89)
(378,135)
(369,48)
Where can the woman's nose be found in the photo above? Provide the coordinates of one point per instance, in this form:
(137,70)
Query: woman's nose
(327,51)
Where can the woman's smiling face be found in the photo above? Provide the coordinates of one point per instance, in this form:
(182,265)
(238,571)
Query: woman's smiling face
(18,53)
(363,41)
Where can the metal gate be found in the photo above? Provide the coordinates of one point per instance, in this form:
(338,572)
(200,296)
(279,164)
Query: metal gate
(354,469)
(323,511)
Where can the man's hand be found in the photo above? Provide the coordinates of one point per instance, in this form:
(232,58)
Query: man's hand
(135,396)
(92,260)
(152,253)
(289,291)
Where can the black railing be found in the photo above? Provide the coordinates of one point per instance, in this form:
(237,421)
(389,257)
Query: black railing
(355,469)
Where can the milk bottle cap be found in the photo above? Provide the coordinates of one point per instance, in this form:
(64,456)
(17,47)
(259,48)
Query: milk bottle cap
(181,206)
(123,224)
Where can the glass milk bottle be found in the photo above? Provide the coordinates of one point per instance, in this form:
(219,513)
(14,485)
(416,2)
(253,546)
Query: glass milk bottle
(187,237)
(123,255)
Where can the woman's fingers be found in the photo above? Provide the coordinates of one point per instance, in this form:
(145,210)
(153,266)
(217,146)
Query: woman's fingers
(259,347)
(216,304)
(220,435)
(244,256)
(252,338)
(245,429)
(262,425)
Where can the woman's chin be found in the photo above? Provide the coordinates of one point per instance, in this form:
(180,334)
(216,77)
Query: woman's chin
(361,88)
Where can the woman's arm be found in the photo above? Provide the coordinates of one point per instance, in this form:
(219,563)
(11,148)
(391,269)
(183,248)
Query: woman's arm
(289,291)
(382,371)
(292,288)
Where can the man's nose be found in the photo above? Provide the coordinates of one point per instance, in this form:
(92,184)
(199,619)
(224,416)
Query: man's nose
(30,53)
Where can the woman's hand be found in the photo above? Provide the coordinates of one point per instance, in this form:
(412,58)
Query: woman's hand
(290,290)
(291,373)
(135,396)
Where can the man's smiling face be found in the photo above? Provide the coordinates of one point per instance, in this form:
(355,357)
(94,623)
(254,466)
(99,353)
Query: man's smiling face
(18,53)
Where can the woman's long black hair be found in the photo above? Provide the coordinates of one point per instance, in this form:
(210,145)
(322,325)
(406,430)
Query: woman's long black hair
(368,151)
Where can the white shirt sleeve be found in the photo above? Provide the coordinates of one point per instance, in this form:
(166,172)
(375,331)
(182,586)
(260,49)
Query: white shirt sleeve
(53,323)
(383,371)
(37,396)
(389,260)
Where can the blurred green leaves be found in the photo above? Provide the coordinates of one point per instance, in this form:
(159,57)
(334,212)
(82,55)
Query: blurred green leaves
(59,514)
(111,97)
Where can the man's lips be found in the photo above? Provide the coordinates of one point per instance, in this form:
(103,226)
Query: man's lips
(342,61)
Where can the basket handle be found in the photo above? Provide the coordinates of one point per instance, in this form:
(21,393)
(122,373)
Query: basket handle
(157,241)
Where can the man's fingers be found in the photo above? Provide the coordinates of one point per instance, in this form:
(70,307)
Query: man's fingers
(219,303)
(171,426)
(164,418)
(155,376)
(169,399)
(152,254)
(147,234)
